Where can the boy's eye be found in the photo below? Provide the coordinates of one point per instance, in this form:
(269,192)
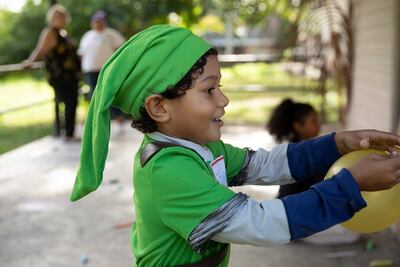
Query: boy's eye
(209,91)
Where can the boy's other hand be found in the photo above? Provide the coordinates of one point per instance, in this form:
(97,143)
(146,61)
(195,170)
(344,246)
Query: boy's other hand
(376,172)
(348,141)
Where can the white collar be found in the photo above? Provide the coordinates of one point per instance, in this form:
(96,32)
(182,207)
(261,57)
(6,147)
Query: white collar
(203,151)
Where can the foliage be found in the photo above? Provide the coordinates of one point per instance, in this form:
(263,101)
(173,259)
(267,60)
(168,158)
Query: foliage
(263,14)
(208,23)
(130,17)
(255,11)
(26,125)
(20,31)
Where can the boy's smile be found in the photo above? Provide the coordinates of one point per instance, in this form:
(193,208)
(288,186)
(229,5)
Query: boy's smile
(196,116)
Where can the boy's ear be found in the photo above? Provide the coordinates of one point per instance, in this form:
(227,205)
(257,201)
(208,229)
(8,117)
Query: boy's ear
(155,107)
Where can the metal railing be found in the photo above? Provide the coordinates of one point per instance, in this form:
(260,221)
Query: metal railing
(20,67)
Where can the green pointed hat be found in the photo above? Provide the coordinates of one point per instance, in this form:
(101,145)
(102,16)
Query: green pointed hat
(148,63)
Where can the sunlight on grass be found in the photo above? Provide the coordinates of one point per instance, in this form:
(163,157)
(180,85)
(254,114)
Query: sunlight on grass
(42,114)
(22,126)
(269,75)
(13,137)
(273,85)
(19,91)
(255,108)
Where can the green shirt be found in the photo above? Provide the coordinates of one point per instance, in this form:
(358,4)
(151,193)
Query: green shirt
(174,192)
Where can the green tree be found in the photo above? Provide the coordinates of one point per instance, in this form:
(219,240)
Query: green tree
(256,12)
(20,31)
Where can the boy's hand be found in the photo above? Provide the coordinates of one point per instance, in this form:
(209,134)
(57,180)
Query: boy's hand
(348,141)
(375,172)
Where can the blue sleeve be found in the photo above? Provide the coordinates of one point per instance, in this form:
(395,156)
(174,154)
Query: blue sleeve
(312,157)
(327,203)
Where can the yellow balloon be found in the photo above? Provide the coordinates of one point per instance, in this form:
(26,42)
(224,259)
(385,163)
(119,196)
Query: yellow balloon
(383,207)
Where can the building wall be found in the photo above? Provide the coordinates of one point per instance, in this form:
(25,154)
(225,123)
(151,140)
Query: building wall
(375,65)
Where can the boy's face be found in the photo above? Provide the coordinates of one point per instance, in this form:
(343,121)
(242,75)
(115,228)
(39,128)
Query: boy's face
(196,116)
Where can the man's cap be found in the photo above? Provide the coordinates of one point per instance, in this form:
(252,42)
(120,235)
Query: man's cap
(99,15)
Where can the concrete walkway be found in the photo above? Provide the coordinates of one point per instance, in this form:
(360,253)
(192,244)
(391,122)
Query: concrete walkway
(39,227)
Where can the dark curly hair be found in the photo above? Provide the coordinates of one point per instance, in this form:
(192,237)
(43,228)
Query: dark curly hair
(280,125)
(146,124)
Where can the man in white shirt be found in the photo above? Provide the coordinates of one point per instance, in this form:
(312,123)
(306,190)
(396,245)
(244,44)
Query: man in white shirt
(95,48)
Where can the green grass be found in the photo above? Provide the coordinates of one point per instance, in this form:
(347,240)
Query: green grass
(13,137)
(269,75)
(26,125)
(255,107)
(246,106)
(22,90)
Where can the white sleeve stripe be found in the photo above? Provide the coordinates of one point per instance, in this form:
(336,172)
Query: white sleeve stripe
(269,167)
(260,224)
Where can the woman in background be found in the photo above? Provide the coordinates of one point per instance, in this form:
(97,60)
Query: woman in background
(62,64)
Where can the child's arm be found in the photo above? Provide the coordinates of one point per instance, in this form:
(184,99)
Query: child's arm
(330,202)
(292,162)
(275,222)
(312,157)
(326,204)
(315,156)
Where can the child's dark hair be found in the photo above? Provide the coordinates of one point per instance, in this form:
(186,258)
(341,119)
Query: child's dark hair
(146,124)
(280,125)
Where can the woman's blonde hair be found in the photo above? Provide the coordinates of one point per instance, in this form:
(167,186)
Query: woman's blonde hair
(60,9)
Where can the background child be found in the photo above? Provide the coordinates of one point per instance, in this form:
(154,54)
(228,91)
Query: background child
(292,122)
(168,79)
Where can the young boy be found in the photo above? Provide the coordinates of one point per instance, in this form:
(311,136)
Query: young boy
(168,80)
